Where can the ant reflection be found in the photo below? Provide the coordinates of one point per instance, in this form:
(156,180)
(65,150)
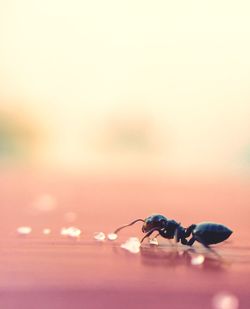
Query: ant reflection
(175,257)
(158,257)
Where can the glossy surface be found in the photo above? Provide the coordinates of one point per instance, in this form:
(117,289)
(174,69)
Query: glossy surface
(53,271)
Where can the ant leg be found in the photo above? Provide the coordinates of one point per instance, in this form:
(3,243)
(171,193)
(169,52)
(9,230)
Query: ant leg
(156,236)
(122,227)
(148,234)
(189,230)
(184,241)
(169,240)
(191,241)
(182,233)
(208,248)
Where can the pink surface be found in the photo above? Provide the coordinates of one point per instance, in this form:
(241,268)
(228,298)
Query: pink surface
(51,271)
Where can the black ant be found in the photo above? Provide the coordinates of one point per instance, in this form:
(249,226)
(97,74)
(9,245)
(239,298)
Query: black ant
(206,233)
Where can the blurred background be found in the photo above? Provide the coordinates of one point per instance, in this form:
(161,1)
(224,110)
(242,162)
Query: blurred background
(126,88)
(111,111)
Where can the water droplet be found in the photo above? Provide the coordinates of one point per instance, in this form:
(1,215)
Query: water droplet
(198,260)
(46,231)
(99,236)
(64,231)
(153,241)
(225,300)
(112,236)
(132,245)
(24,230)
(71,231)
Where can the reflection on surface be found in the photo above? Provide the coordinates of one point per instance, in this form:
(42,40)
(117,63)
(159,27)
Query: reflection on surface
(218,258)
(176,257)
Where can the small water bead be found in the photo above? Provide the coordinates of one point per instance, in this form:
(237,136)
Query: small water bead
(198,260)
(225,300)
(71,231)
(100,236)
(112,236)
(153,241)
(64,231)
(46,231)
(180,253)
(132,245)
(24,230)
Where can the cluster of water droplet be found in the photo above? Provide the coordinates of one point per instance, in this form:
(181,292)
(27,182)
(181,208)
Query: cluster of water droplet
(24,230)
(100,236)
(132,245)
(71,231)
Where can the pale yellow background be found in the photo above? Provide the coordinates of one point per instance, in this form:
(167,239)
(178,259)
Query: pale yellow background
(127,86)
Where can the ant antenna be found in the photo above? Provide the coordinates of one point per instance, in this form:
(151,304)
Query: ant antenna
(122,227)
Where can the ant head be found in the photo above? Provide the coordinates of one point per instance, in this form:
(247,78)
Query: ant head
(154,222)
